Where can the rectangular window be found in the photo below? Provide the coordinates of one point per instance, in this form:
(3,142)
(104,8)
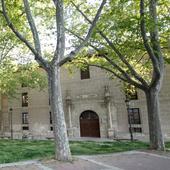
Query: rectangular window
(134,116)
(24,99)
(137,129)
(25,128)
(85,73)
(51,121)
(134,119)
(25,118)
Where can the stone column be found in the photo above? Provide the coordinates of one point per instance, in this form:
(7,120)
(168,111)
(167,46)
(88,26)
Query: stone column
(111,129)
(70,128)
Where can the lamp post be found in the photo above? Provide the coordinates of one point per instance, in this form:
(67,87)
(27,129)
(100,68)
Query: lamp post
(11,128)
(127,101)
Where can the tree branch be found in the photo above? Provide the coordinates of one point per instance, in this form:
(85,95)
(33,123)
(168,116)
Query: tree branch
(11,26)
(40,60)
(154,31)
(60,47)
(113,47)
(126,77)
(145,40)
(109,70)
(155,40)
(4,50)
(93,24)
(128,80)
(32,26)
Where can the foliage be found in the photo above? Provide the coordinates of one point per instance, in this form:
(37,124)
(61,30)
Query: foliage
(120,23)
(17,150)
(44,13)
(129,90)
(7,39)
(12,52)
(13,76)
(38,49)
(132,42)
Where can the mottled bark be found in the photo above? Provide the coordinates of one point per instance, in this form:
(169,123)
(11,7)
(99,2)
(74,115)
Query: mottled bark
(52,68)
(152,46)
(153,49)
(155,131)
(62,149)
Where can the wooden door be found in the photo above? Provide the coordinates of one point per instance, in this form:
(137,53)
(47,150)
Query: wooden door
(89,124)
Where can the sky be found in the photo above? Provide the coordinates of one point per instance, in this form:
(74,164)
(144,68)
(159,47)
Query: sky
(48,41)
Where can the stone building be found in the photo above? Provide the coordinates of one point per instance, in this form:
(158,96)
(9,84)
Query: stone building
(94,106)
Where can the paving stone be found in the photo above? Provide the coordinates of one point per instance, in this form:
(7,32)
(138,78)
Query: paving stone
(133,160)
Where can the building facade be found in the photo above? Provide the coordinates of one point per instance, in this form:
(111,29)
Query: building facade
(94,106)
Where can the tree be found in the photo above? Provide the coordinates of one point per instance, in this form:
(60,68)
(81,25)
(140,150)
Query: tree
(129,40)
(53,67)
(6,46)
(13,76)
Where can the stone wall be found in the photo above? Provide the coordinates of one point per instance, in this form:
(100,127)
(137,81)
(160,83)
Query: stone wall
(100,94)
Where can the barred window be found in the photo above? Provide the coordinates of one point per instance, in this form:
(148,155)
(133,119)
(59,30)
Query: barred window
(137,129)
(134,116)
(24,99)
(25,128)
(25,118)
(134,119)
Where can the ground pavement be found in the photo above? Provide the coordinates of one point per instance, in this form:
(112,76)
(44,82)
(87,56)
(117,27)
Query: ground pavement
(133,160)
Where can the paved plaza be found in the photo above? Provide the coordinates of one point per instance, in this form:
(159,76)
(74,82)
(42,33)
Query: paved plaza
(133,160)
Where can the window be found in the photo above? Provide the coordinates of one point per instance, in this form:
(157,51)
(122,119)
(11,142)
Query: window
(134,116)
(25,118)
(24,99)
(85,73)
(51,122)
(89,115)
(134,119)
(51,118)
(131,92)
(25,128)
(137,129)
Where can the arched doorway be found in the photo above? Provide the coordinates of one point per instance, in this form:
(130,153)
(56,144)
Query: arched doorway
(89,124)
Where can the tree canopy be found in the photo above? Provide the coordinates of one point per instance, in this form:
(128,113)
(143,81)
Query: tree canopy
(13,76)
(132,43)
(31,38)
(118,35)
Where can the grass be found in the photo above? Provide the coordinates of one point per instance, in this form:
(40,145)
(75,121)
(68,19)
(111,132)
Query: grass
(91,148)
(17,150)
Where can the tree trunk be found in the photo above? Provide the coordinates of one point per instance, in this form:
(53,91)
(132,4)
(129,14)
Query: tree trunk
(62,149)
(155,131)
